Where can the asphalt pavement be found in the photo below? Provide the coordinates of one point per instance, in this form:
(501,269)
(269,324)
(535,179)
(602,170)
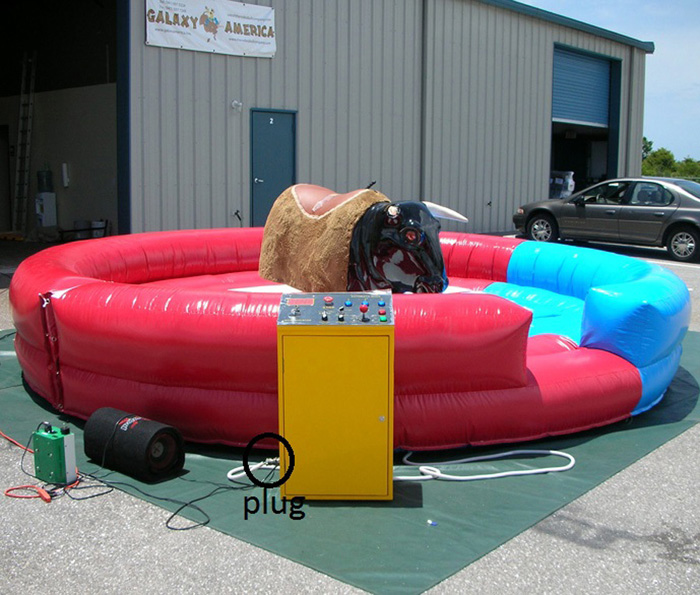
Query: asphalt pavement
(638,532)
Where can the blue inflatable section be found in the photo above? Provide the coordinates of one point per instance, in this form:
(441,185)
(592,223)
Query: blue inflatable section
(551,312)
(634,309)
(655,379)
(642,320)
(570,270)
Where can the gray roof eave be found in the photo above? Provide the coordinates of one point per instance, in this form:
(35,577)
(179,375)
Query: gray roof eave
(538,13)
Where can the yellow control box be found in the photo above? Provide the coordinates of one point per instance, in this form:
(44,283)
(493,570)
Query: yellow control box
(336,395)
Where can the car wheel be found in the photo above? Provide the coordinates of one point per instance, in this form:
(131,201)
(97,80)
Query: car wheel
(542,228)
(683,244)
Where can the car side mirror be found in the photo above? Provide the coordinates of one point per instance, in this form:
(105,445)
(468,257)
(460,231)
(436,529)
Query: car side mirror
(578,201)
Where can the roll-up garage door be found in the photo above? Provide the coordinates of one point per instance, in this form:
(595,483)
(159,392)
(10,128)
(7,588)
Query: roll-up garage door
(581,89)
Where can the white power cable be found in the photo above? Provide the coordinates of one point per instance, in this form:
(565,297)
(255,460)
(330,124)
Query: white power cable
(431,471)
(238,472)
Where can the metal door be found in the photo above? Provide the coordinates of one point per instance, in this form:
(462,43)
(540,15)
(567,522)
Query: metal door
(328,408)
(594,214)
(580,88)
(643,217)
(273,159)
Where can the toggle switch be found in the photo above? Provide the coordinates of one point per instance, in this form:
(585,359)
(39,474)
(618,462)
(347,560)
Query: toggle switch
(363,309)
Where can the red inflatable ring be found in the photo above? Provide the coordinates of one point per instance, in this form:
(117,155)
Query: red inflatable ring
(178,327)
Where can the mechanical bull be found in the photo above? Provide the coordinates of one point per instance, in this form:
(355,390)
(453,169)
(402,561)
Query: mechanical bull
(317,240)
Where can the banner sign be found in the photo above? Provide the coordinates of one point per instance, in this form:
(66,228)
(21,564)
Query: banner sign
(218,26)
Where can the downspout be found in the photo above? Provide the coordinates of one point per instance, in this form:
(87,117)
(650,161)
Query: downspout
(630,168)
(422,177)
(123,118)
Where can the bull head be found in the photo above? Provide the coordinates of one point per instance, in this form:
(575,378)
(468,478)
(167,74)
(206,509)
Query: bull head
(396,246)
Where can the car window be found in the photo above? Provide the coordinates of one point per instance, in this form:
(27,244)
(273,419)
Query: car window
(689,186)
(650,194)
(605,194)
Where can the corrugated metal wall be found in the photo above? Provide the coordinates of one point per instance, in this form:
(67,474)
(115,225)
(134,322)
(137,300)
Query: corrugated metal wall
(350,68)
(480,121)
(489,107)
(633,71)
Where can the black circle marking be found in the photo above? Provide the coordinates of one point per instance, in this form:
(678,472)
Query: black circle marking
(246,456)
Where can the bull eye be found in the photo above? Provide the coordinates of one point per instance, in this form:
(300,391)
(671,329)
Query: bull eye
(411,236)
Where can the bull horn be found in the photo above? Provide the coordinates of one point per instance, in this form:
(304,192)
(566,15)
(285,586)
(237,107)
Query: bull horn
(444,213)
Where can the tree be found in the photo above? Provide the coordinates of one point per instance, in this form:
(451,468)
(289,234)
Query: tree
(659,163)
(688,168)
(662,163)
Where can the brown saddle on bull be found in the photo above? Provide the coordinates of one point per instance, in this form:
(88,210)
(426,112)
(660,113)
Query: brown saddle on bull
(306,242)
(317,200)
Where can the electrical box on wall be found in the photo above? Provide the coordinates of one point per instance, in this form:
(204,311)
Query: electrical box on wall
(336,394)
(45,204)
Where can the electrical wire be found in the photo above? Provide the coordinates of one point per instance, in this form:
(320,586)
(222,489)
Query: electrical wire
(8,334)
(271,463)
(430,471)
(13,441)
(46,491)
(180,503)
(39,492)
(8,353)
(88,481)
(25,450)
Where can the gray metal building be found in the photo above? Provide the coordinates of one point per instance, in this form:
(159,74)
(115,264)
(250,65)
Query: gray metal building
(446,100)
(469,103)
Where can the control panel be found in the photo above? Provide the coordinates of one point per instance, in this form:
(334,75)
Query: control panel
(337,417)
(337,309)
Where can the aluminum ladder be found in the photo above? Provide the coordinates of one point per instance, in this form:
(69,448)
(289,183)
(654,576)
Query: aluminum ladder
(24,140)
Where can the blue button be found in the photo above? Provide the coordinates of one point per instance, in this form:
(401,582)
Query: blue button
(348,303)
(365,302)
(381,303)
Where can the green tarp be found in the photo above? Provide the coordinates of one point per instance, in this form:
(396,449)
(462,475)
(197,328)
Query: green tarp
(391,547)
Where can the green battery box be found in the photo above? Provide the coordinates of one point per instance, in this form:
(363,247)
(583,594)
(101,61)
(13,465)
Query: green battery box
(54,455)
